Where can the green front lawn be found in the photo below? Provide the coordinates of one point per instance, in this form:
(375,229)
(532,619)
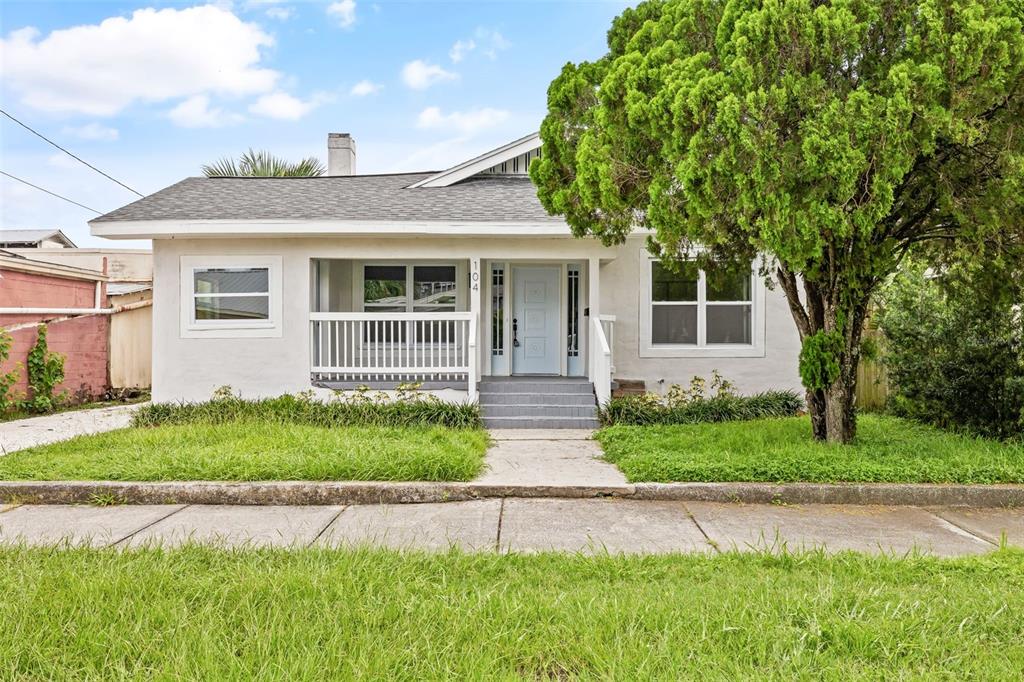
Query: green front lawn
(887,449)
(207,614)
(256,451)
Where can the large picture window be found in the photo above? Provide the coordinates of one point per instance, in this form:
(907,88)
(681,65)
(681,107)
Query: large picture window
(696,309)
(410,289)
(386,288)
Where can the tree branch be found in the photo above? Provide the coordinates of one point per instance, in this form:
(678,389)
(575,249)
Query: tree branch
(787,280)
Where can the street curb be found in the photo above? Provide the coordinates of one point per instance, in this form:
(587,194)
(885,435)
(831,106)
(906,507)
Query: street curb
(346,492)
(894,494)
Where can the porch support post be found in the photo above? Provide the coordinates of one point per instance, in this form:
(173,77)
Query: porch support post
(594,306)
(473,351)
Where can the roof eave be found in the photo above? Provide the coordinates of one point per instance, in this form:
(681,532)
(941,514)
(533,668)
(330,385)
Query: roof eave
(467,169)
(171,229)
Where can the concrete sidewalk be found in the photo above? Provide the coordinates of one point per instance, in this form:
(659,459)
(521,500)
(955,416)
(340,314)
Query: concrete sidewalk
(526,525)
(547,457)
(27,433)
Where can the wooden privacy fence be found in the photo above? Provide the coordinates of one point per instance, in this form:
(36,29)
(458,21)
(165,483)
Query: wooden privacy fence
(131,341)
(872,378)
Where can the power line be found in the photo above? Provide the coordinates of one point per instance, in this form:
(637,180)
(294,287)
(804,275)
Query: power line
(76,158)
(41,189)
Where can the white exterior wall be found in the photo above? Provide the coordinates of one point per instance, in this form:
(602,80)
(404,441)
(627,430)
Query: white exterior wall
(192,368)
(621,295)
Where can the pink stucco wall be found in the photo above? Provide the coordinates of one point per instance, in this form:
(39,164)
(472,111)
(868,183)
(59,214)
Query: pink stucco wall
(84,341)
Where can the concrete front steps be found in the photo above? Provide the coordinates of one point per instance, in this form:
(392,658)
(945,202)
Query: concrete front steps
(538,403)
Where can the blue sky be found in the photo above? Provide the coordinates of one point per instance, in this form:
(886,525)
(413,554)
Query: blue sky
(149,91)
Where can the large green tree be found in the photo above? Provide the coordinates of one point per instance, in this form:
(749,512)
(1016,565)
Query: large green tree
(829,138)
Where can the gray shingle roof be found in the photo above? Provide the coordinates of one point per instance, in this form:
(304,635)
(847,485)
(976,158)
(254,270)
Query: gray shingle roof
(19,237)
(355,197)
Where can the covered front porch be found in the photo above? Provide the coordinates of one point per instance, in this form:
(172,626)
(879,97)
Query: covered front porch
(447,323)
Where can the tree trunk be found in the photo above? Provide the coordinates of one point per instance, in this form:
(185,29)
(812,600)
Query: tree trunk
(832,409)
(840,419)
(816,410)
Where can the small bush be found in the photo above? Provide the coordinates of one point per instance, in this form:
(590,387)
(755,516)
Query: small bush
(45,372)
(954,352)
(7,379)
(692,405)
(359,409)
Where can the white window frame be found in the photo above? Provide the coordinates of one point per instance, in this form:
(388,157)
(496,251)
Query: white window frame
(226,329)
(649,349)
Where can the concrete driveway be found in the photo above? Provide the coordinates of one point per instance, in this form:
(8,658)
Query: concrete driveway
(26,433)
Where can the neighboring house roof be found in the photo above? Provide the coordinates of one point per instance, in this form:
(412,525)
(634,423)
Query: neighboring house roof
(32,238)
(122,288)
(486,198)
(15,261)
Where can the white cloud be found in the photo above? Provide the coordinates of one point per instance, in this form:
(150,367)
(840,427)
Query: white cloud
(486,41)
(463,122)
(343,11)
(491,42)
(195,112)
(281,105)
(419,75)
(280,13)
(460,49)
(151,56)
(364,88)
(92,131)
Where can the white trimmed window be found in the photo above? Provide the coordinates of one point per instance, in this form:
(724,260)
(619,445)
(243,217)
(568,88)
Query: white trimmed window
(419,288)
(689,313)
(387,288)
(230,296)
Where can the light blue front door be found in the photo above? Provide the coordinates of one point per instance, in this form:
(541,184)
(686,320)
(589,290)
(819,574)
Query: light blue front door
(535,320)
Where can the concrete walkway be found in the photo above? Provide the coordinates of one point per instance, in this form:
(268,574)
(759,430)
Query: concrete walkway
(26,433)
(526,525)
(547,457)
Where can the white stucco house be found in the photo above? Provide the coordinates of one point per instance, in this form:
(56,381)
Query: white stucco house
(456,278)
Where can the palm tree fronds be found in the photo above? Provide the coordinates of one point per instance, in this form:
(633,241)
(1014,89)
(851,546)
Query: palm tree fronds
(221,168)
(263,164)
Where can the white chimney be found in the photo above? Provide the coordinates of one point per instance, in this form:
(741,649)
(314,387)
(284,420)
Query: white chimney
(341,154)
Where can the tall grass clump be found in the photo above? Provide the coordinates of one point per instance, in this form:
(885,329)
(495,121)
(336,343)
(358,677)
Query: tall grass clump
(694,405)
(360,408)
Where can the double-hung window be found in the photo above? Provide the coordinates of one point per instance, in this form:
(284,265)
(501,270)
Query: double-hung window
(233,295)
(675,304)
(230,294)
(692,310)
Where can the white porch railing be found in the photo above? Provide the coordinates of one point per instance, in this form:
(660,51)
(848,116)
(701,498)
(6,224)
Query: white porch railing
(394,347)
(602,363)
(608,325)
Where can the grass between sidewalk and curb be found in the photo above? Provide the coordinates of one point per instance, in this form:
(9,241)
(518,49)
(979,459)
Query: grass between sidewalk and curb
(887,450)
(254,450)
(201,613)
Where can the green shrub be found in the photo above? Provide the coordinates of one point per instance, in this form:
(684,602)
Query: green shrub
(45,372)
(7,379)
(954,352)
(693,405)
(359,409)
